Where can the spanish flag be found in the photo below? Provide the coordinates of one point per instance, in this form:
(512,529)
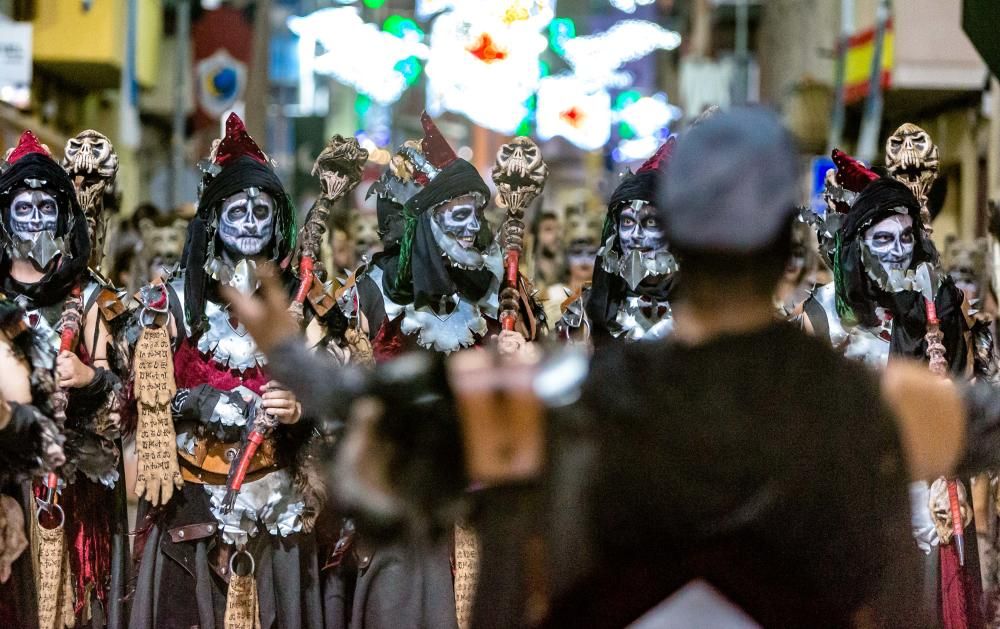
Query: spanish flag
(858,62)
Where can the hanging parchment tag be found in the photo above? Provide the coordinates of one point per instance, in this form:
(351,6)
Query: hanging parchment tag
(52,577)
(155,440)
(466,573)
(242,606)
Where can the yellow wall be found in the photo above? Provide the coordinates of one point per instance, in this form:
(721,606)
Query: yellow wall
(66,34)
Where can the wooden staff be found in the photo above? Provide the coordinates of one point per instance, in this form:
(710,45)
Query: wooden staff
(519,174)
(938,364)
(339,168)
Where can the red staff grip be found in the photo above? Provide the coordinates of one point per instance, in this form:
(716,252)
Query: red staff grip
(511,264)
(305,283)
(956,510)
(957,527)
(931,309)
(68,336)
(253,442)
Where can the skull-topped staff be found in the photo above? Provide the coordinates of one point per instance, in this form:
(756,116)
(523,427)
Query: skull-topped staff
(911,158)
(92,164)
(519,174)
(338,167)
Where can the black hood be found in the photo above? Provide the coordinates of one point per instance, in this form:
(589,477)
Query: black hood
(608,290)
(858,295)
(72,226)
(239,174)
(418,272)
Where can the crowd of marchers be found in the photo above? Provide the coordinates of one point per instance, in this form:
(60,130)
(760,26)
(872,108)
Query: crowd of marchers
(489,425)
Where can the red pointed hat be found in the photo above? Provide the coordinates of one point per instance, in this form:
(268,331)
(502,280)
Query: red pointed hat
(660,158)
(434,147)
(27,144)
(852,174)
(237,143)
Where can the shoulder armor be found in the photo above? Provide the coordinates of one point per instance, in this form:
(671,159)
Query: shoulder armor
(111,302)
(826,297)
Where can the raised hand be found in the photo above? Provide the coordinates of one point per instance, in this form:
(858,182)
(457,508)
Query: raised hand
(265,314)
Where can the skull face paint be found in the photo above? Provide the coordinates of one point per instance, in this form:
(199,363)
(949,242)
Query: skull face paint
(246,225)
(33,212)
(32,221)
(459,218)
(640,230)
(891,242)
(644,253)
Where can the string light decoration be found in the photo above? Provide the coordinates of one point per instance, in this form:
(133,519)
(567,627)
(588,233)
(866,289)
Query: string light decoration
(484,60)
(629,6)
(426,9)
(597,59)
(568,108)
(643,124)
(376,63)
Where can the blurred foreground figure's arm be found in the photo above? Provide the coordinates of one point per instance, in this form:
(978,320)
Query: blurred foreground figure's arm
(945,429)
(319,384)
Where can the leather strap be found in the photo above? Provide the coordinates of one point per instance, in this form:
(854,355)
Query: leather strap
(194,474)
(191,532)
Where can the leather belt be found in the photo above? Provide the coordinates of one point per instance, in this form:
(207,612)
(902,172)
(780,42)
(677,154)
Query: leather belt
(212,458)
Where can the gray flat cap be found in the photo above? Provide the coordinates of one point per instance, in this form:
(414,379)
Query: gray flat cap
(731,184)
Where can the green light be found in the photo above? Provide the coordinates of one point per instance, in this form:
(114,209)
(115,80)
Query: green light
(374,4)
(560,30)
(626,98)
(543,69)
(626,131)
(362,104)
(410,68)
(401,27)
(524,128)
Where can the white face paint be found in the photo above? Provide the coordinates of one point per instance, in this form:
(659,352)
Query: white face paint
(247,222)
(891,242)
(33,212)
(639,229)
(459,218)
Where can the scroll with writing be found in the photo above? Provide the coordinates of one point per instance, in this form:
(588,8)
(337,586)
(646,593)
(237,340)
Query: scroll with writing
(242,604)
(466,574)
(53,579)
(155,441)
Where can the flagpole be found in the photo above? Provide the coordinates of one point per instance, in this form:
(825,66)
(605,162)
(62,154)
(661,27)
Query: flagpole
(871,122)
(839,106)
(180,104)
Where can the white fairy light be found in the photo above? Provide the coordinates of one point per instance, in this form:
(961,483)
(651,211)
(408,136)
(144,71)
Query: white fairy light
(484,60)
(636,148)
(568,108)
(598,58)
(356,53)
(629,6)
(428,8)
(649,115)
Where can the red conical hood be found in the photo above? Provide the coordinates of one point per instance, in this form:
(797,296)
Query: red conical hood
(852,174)
(660,158)
(237,143)
(434,147)
(27,143)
